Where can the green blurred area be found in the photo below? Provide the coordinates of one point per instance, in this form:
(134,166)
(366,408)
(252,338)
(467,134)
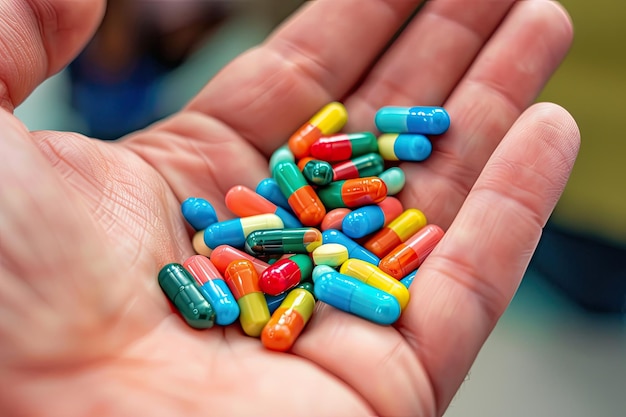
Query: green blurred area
(591,85)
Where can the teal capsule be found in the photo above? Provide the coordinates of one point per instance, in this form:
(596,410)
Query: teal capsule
(181,289)
(278,241)
(318,172)
(281,154)
(394,178)
(368,165)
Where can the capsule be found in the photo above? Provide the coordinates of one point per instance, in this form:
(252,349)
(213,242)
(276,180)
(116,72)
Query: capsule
(317,172)
(374,276)
(223,255)
(353,193)
(365,220)
(285,274)
(197,242)
(281,241)
(300,195)
(409,255)
(404,147)
(330,119)
(244,202)
(268,188)
(355,297)
(181,289)
(274,301)
(408,280)
(426,120)
(214,289)
(243,281)
(281,154)
(368,165)
(394,179)
(331,254)
(287,322)
(198,212)
(354,249)
(342,146)
(233,232)
(334,218)
(396,232)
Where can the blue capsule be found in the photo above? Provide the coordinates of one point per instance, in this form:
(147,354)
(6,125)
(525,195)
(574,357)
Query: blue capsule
(198,212)
(234,232)
(354,249)
(353,296)
(427,120)
(269,189)
(404,147)
(408,280)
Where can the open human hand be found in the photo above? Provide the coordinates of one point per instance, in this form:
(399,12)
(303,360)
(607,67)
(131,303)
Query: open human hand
(86,225)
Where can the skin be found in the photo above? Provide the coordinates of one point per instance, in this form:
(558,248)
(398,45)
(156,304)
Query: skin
(86,225)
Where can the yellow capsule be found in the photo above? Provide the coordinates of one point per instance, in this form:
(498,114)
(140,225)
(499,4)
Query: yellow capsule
(330,119)
(331,254)
(374,276)
(198,244)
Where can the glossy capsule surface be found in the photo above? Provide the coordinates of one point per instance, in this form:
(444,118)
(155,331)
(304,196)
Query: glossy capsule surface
(301,197)
(368,165)
(365,220)
(404,147)
(374,276)
(354,249)
(288,321)
(355,297)
(330,254)
(269,189)
(223,255)
(198,212)
(408,280)
(197,242)
(281,241)
(233,232)
(318,172)
(334,218)
(427,120)
(340,147)
(285,274)
(214,289)
(244,202)
(283,153)
(353,193)
(243,282)
(274,301)
(394,179)
(181,289)
(330,119)
(396,232)
(408,256)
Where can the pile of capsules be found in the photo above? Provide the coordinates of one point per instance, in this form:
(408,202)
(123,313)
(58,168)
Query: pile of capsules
(326,226)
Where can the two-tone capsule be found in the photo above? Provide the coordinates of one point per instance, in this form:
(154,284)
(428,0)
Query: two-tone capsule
(243,281)
(223,255)
(396,232)
(404,147)
(282,241)
(330,254)
(427,120)
(368,165)
(339,147)
(244,202)
(268,188)
(214,289)
(330,119)
(353,296)
(354,249)
(408,256)
(274,301)
(353,193)
(288,321)
(301,197)
(368,219)
(285,274)
(233,232)
(181,289)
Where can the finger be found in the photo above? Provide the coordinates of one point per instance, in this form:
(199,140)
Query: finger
(315,58)
(38,38)
(429,58)
(471,276)
(506,77)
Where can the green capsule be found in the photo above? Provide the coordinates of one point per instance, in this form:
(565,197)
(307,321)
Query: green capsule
(394,179)
(318,172)
(181,289)
(281,154)
(279,241)
(368,165)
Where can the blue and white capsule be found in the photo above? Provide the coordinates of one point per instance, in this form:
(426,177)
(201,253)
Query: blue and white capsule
(427,120)
(353,296)
(234,232)
(354,249)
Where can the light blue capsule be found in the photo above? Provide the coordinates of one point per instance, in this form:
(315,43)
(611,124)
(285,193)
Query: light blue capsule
(281,154)
(353,296)
(362,221)
(408,280)
(269,189)
(354,249)
(404,147)
(218,294)
(198,212)
(394,178)
(427,120)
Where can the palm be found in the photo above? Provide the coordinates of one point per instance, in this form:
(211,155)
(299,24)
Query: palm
(115,220)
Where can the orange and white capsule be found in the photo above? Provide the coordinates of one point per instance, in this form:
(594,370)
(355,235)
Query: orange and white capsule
(408,256)
(330,119)
(288,321)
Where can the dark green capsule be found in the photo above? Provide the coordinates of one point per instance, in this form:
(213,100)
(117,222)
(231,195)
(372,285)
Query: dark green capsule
(318,172)
(181,289)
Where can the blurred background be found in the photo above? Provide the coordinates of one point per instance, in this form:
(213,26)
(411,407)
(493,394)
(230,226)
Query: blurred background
(560,348)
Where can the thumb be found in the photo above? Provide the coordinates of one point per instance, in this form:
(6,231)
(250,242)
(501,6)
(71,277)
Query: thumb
(38,38)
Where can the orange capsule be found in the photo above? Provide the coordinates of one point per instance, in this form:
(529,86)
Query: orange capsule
(396,232)
(287,322)
(330,119)
(301,197)
(353,193)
